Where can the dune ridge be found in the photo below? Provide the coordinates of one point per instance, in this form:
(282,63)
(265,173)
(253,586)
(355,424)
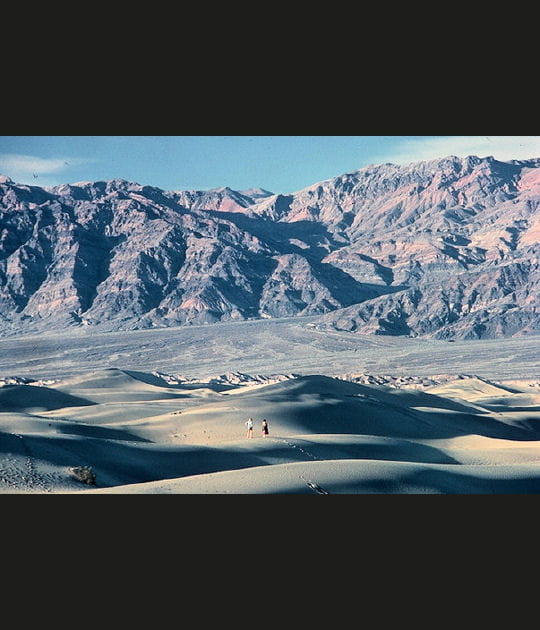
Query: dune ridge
(143,433)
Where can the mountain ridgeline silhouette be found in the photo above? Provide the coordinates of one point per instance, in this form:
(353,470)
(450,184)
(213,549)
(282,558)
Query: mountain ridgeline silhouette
(447,248)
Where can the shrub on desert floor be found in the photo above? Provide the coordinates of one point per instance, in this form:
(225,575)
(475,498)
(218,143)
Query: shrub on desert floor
(84,474)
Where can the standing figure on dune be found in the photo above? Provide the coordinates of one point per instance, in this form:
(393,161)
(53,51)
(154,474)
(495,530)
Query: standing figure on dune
(265,428)
(249,425)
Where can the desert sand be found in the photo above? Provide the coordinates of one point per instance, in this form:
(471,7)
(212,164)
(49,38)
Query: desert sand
(142,432)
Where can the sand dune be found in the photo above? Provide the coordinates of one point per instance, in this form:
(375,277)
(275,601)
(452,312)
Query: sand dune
(319,404)
(141,434)
(473,388)
(351,476)
(30,397)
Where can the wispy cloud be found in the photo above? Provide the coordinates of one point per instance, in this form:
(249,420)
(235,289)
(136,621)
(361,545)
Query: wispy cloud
(28,168)
(500,147)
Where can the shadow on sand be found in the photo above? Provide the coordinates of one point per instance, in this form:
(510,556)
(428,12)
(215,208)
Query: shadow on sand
(26,397)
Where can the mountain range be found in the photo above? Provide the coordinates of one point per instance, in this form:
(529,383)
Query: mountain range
(446,248)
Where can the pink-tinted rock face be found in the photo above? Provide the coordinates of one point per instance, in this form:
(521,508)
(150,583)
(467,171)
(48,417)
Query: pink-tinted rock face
(446,248)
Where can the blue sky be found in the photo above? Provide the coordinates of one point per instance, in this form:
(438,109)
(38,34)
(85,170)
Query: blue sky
(280,164)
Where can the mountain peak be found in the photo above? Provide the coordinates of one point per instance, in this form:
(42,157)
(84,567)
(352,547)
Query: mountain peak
(221,189)
(257,193)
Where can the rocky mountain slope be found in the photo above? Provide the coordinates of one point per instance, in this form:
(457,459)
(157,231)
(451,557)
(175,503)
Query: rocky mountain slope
(447,248)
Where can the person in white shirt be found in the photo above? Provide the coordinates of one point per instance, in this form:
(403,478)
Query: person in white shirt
(249,425)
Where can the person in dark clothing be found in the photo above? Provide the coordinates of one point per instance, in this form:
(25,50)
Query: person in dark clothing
(265,428)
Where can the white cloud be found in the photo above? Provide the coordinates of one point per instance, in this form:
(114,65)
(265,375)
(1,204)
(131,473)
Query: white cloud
(428,148)
(26,168)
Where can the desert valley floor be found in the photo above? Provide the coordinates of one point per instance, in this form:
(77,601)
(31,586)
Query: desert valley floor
(163,411)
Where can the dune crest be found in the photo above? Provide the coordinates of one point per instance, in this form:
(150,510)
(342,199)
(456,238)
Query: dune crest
(139,432)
